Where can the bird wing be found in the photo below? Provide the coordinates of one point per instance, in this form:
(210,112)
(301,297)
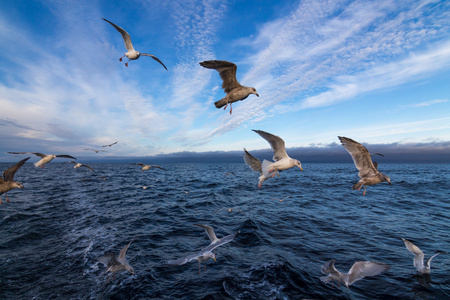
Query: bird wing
(107,259)
(121,256)
(227,71)
(37,154)
(183,260)
(86,166)
(277,144)
(158,167)
(220,242)
(361,157)
(8,174)
(110,144)
(361,269)
(210,231)
(428,263)
(139,164)
(155,58)
(126,37)
(418,258)
(329,268)
(252,162)
(66,156)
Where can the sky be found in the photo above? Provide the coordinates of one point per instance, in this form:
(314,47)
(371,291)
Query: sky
(375,71)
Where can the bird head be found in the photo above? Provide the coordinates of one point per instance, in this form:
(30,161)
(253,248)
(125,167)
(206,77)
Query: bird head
(255,92)
(130,269)
(386,178)
(212,255)
(298,164)
(18,185)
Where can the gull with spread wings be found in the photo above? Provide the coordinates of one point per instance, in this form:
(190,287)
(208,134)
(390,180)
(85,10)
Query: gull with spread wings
(359,270)
(368,170)
(116,263)
(207,252)
(77,165)
(131,53)
(235,91)
(147,167)
(418,257)
(282,161)
(7,183)
(45,159)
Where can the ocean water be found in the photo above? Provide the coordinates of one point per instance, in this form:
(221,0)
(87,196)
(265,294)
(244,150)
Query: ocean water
(54,230)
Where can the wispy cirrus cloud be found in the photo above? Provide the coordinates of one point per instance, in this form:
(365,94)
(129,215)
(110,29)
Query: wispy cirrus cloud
(425,103)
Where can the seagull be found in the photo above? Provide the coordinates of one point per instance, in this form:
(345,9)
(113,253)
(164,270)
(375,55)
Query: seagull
(7,183)
(229,209)
(131,53)
(418,258)
(110,144)
(282,160)
(77,165)
(207,252)
(44,157)
(235,91)
(116,264)
(96,151)
(147,167)
(281,200)
(359,270)
(368,170)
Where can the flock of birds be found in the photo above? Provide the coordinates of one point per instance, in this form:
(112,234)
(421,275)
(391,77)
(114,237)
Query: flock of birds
(362,158)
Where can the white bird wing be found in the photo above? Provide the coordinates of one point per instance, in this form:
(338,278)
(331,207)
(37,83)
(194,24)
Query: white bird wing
(418,254)
(361,157)
(126,37)
(329,268)
(155,58)
(428,263)
(252,162)
(277,144)
(210,231)
(183,260)
(122,252)
(361,269)
(222,241)
(108,259)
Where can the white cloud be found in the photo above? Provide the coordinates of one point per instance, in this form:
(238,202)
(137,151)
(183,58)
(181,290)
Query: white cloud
(425,103)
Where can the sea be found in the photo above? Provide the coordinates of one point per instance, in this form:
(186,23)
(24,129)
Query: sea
(54,230)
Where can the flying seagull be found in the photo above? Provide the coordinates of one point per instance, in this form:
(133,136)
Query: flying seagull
(147,167)
(131,53)
(77,165)
(367,169)
(235,91)
(359,270)
(282,160)
(7,183)
(45,159)
(116,264)
(110,144)
(96,151)
(418,257)
(207,252)
(229,209)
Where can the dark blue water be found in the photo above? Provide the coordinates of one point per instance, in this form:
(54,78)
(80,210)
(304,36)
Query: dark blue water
(53,231)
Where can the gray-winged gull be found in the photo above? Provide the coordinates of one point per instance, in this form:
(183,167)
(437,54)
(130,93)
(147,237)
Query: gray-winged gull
(7,183)
(359,270)
(116,263)
(235,91)
(96,151)
(281,158)
(44,157)
(418,257)
(131,53)
(77,165)
(110,144)
(207,252)
(147,167)
(367,169)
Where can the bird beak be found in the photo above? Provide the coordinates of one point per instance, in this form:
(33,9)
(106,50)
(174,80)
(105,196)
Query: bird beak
(257,94)
(214,259)
(300,168)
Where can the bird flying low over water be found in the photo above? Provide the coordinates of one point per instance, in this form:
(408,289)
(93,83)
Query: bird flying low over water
(235,91)
(77,165)
(110,144)
(148,167)
(419,256)
(368,170)
(7,183)
(281,158)
(116,263)
(96,151)
(207,252)
(131,53)
(359,270)
(44,157)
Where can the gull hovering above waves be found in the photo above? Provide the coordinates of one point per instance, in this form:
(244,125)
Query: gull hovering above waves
(110,144)
(368,170)
(116,263)
(44,157)
(77,165)
(229,209)
(207,252)
(7,183)
(419,256)
(235,91)
(131,53)
(359,270)
(281,158)
(147,167)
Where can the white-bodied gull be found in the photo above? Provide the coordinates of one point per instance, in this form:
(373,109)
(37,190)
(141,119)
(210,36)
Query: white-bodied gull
(148,167)
(44,157)
(419,256)
(77,165)
(116,263)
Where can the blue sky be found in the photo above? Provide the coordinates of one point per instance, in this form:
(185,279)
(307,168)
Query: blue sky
(375,71)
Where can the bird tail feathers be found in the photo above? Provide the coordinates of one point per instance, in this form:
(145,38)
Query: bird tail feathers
(325,279)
